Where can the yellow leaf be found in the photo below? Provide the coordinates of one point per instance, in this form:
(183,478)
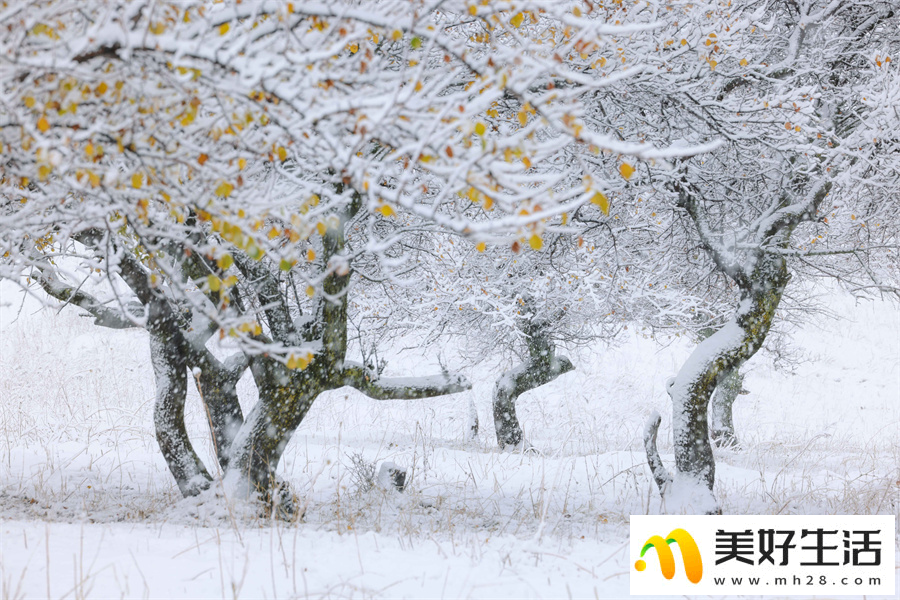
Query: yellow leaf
(354,48)
(481,246)
(89,150)
(684,42)
(536,242)
(480,129)
(602,201)
(473,10)
(101,88)
(298,362)
(157,28)
(744,62)
(310,291)
(230,281)
(29,101)
(712,65)
(44,172)
(215,284)
(242,163)
(224,190)
(223,28)
(396,35)
(137,181)
(517,20)
(310,255)
(94,179)
(320,227)
(43,125)
(282,153)
(225,261)
(385,209)
(626,170)
(523,117)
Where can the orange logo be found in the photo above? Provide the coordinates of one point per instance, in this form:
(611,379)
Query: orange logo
(693,565)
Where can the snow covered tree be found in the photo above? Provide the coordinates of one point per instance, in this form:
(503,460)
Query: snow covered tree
(262,170)
(790,90)
(202,167)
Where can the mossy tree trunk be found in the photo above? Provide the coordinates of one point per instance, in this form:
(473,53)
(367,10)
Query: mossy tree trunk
(761,275)
(542,367)
(286,394)
(175,349)
(722,409)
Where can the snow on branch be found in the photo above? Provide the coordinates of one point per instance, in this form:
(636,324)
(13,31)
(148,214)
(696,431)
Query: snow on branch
(103,315)
(402,388)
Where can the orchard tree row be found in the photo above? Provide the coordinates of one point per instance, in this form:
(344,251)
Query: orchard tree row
(303,179)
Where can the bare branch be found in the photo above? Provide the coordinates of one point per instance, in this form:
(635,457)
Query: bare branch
(402,388)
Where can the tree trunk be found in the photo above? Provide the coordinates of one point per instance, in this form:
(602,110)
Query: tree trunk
(722,401)
(710,363)
(285,396)
(722,422)
(542,366)
(515,382)
(471,421)
(217,384)
(170,369)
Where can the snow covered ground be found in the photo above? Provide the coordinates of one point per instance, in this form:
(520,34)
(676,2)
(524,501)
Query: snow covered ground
(88,508)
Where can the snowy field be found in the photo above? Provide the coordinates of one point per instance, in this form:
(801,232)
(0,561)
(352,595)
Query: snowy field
(88,508)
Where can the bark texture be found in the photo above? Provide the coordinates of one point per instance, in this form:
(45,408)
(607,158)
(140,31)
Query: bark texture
(170,369)
(722,409)
(761,276)
(286,395)
(542,367)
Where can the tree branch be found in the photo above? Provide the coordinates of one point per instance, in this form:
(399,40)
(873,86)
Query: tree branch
(103,316)
(402,388)
(269,293)
(789,216)
(726,264)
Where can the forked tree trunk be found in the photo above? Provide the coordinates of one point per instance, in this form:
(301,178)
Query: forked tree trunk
(515,382)
(285,396)
(542,367)
(217,384)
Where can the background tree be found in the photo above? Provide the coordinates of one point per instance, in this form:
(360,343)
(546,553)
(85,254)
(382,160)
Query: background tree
(778,200)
